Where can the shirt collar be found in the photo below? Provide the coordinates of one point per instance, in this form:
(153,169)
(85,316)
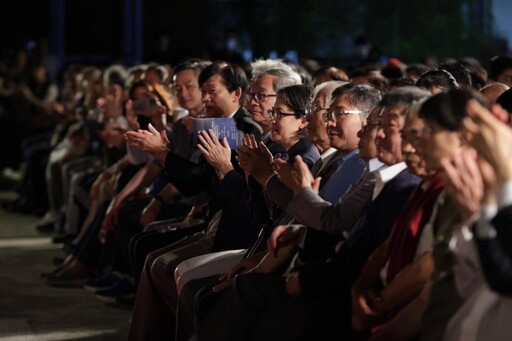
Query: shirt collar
(374,164)
(266,137)
(233,113)
(349,155)
(384,175)
(326,154)
(387,173)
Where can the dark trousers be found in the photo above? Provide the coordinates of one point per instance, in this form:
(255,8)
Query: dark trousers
(256,307)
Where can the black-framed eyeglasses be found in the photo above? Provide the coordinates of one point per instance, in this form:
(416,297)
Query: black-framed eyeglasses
(277,114)
(334,115)
(259,97)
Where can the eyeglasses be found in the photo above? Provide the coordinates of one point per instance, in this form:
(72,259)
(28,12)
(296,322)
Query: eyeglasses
(316,108)
(334,115)
(259,97)
(277,115)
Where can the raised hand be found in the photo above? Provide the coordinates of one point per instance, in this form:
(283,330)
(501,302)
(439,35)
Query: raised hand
(491,138)
(255,159)
(150,141)
(467,181)
(216,153)
(296,177)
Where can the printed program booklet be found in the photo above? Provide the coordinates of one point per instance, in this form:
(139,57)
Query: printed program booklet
(222,127)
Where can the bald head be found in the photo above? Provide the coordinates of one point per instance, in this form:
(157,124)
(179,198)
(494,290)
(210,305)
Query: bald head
(492,91)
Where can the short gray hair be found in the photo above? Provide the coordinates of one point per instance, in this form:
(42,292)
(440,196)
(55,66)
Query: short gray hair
(329,86)
(282,78)
(260,66)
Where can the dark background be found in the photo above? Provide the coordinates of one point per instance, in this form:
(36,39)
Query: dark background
(130,31)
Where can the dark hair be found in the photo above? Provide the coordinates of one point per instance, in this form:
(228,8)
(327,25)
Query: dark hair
(401,82)
(134,86)
(392,72)
(115,74)
(498,65)
(417,69)
(298,97)
(233,76)
(439,78)
(362,96)
(196,65)
(159,69)
(332,72)
(460,72)
(448,109)
(505,100)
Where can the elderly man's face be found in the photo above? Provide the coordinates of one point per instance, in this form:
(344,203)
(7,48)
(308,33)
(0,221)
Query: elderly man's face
(389,141)
(367,135)
(317,127)
(260,99)
(411,146)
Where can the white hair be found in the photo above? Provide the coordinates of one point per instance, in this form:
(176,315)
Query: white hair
(329,86)
(260,66)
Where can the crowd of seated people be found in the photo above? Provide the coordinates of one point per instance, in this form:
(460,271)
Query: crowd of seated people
(364,205)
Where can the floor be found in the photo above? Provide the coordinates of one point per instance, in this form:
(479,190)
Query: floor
(31,310)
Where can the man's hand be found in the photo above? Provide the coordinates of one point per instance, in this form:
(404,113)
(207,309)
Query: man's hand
(362,313)
(245,265)
(283,235)
(150,141)
(255,159)
(216,153)
(296,177)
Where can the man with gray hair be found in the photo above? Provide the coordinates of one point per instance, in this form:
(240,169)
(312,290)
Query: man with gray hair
(260,66)
(261,96)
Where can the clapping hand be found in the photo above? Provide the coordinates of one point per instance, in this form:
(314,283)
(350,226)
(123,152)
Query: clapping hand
(255,159)
(217,153)
(296,177)
(150,141)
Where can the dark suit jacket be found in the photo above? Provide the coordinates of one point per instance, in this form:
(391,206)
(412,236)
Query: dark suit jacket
(371,230)
(192,178)
(496,253)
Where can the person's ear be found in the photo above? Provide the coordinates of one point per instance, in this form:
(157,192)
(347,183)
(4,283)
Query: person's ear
(237,94)
(303,122)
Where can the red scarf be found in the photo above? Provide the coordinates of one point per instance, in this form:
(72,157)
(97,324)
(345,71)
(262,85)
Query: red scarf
(406,233)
